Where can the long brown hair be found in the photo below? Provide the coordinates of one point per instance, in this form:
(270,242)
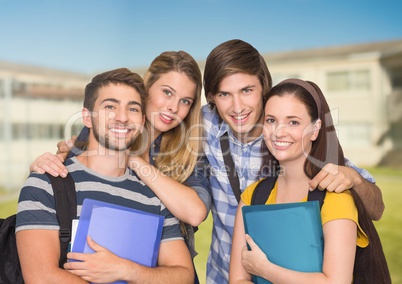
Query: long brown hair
(370,262)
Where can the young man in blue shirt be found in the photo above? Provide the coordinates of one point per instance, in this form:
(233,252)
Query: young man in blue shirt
(236,79)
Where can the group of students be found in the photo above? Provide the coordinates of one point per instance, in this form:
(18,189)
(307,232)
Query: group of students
(150,145)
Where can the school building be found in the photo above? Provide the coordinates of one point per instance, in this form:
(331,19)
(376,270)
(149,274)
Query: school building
(37,107)
(363,87)
(362,83)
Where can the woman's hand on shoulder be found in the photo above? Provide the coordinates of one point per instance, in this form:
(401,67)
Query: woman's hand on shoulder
(53,164)
(50,163)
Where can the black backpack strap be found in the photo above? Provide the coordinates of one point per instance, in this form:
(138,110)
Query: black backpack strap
(66,210)
(263,190)
(230,167)
(318,195)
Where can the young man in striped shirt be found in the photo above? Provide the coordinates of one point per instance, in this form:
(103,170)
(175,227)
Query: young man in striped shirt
(114,113)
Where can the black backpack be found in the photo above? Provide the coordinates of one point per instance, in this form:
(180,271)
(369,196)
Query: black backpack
(264,188)
(66,211)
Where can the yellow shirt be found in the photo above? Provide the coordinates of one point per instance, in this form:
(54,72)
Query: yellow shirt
(335,206)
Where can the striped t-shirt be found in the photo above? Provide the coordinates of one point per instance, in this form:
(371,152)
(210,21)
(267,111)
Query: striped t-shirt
(36,206)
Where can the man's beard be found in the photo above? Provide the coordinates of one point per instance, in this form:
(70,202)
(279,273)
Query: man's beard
(108,144)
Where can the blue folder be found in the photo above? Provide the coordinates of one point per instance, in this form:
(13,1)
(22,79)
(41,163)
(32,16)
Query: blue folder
(290,234)
(127,232)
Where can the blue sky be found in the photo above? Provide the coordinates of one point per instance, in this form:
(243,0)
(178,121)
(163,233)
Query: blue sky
(95,35)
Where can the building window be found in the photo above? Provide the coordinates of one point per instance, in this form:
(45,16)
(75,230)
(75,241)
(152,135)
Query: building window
(39,131)
(348,80)
(18,131)
(68,131)
(396,77)
(18,86)
(354,134)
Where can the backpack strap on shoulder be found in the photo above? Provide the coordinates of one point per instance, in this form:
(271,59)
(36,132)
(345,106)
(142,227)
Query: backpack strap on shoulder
(229,163)
(66,210)
(318,195)
(263,190)
(230,166)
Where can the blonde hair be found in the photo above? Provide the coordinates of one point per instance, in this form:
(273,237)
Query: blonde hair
(180,146)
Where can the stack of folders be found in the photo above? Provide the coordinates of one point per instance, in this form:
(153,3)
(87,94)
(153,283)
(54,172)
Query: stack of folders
(290,234)
(129,233)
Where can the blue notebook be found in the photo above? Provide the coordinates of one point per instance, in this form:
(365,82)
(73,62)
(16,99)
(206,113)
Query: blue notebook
(127,232)
(290,234)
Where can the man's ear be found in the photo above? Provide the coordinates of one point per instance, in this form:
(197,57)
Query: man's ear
(86,117)
(316,129)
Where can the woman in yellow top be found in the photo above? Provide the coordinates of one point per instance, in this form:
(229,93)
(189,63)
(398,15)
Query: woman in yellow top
(301,139)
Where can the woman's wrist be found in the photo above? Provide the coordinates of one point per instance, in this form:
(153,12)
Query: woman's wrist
(135,162)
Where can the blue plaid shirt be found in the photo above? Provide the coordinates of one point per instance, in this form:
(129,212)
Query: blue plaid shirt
(247,160)
(224,203)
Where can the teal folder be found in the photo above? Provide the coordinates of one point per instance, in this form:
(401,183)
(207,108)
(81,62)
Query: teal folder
(127,232)
(290,234)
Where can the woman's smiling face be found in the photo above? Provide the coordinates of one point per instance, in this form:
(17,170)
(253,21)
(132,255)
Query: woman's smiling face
(288,129)
(169,102)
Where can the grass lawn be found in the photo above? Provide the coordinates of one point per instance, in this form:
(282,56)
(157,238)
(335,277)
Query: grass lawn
(7,206)
(389,227)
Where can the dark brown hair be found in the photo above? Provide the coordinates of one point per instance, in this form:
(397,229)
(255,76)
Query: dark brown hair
(231,57)
(370,262)
(122,76)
